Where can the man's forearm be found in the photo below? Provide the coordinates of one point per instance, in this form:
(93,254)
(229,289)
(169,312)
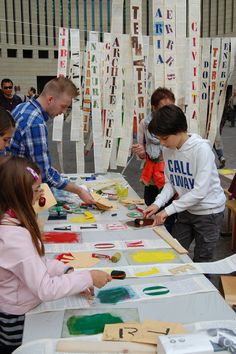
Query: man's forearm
(73,188)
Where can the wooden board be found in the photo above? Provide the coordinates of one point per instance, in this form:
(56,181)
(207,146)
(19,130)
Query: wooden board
(166,236)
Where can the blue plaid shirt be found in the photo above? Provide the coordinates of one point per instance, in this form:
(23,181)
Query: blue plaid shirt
(30,140)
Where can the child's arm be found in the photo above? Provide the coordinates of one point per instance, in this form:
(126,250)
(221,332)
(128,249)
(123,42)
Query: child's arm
(31,270)
(166,194)
(55,267)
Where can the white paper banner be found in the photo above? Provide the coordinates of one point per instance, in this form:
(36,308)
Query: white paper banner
(96,102)
(194,61)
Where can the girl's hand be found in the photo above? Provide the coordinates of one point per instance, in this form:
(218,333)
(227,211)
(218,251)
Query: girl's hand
(88,293)
(100,278)
(152,209)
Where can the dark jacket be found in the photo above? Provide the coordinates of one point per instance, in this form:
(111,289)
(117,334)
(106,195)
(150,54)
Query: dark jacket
(9,104)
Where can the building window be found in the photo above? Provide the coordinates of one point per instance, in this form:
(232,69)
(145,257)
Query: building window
(43,54)
(100,18)
(108,15)
(27,53)
(55,54)
(93,16)
(85,21)
(46,21)
(11,53)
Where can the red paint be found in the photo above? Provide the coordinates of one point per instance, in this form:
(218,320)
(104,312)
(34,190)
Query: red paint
(60,237)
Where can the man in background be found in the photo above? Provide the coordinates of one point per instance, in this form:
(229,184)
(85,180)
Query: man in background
(8,100)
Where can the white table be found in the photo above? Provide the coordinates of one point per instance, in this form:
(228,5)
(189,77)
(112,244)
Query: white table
(184,309)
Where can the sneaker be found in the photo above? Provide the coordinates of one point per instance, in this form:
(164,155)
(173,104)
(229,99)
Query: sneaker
(222,162)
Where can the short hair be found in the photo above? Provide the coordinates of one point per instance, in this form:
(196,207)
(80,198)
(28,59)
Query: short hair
(33,90)
(168,120)
(17,194)
(60,85)
(6,80)
(161,93)
(6,121)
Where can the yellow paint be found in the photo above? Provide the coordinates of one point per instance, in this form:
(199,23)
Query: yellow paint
(87,217)
(152,271)
(153,256)
(227,172)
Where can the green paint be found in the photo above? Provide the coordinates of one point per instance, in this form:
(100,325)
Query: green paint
(114,295)
(135,214)
(156,290)
(91,324)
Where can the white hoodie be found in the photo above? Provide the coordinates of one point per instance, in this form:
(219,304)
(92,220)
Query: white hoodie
(191,172)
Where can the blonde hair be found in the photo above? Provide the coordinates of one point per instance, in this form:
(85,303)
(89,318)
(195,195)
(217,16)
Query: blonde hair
(58,86)
(16,193)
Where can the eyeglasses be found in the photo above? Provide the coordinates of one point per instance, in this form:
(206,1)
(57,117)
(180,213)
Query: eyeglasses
(7,87)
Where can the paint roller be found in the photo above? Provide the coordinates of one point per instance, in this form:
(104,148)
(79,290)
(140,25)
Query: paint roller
(114,259)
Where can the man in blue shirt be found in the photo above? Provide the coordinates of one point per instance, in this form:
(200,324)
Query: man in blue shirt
(31,135)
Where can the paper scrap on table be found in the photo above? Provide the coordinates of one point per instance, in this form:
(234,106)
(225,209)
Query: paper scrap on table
(80,260)
(102,203)
(69,302)
(145,332)
(87,217)
(62,225)
(117,245)
(158,290)
(50,199)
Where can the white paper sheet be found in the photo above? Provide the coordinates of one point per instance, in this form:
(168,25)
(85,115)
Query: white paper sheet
(69,302)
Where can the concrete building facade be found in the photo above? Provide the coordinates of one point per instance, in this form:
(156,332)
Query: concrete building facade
(29,31)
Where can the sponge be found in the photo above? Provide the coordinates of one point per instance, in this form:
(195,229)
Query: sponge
(116,257)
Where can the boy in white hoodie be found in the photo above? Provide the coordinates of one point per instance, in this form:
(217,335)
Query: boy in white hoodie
(190,171)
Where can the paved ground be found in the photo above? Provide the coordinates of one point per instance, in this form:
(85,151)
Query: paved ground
(133,171)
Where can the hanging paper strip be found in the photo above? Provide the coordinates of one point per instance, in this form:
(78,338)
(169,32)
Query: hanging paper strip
(87,97)
(158,43)
(96,102)
(106,58)
(224,74)
(211,127)
(204,84)
(181,53)
(113,112)
(170,45)
(138,58)
(128,101)
(61,70)
(194,61)
(76,133)
(221,87)
(150,79)
(232,57)
(117,28)
(146,64)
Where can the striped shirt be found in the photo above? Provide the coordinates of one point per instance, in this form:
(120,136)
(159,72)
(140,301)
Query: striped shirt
(30,140)
(11,329)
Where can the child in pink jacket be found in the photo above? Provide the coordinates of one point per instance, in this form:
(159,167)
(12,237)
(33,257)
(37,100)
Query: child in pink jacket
(27,278)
